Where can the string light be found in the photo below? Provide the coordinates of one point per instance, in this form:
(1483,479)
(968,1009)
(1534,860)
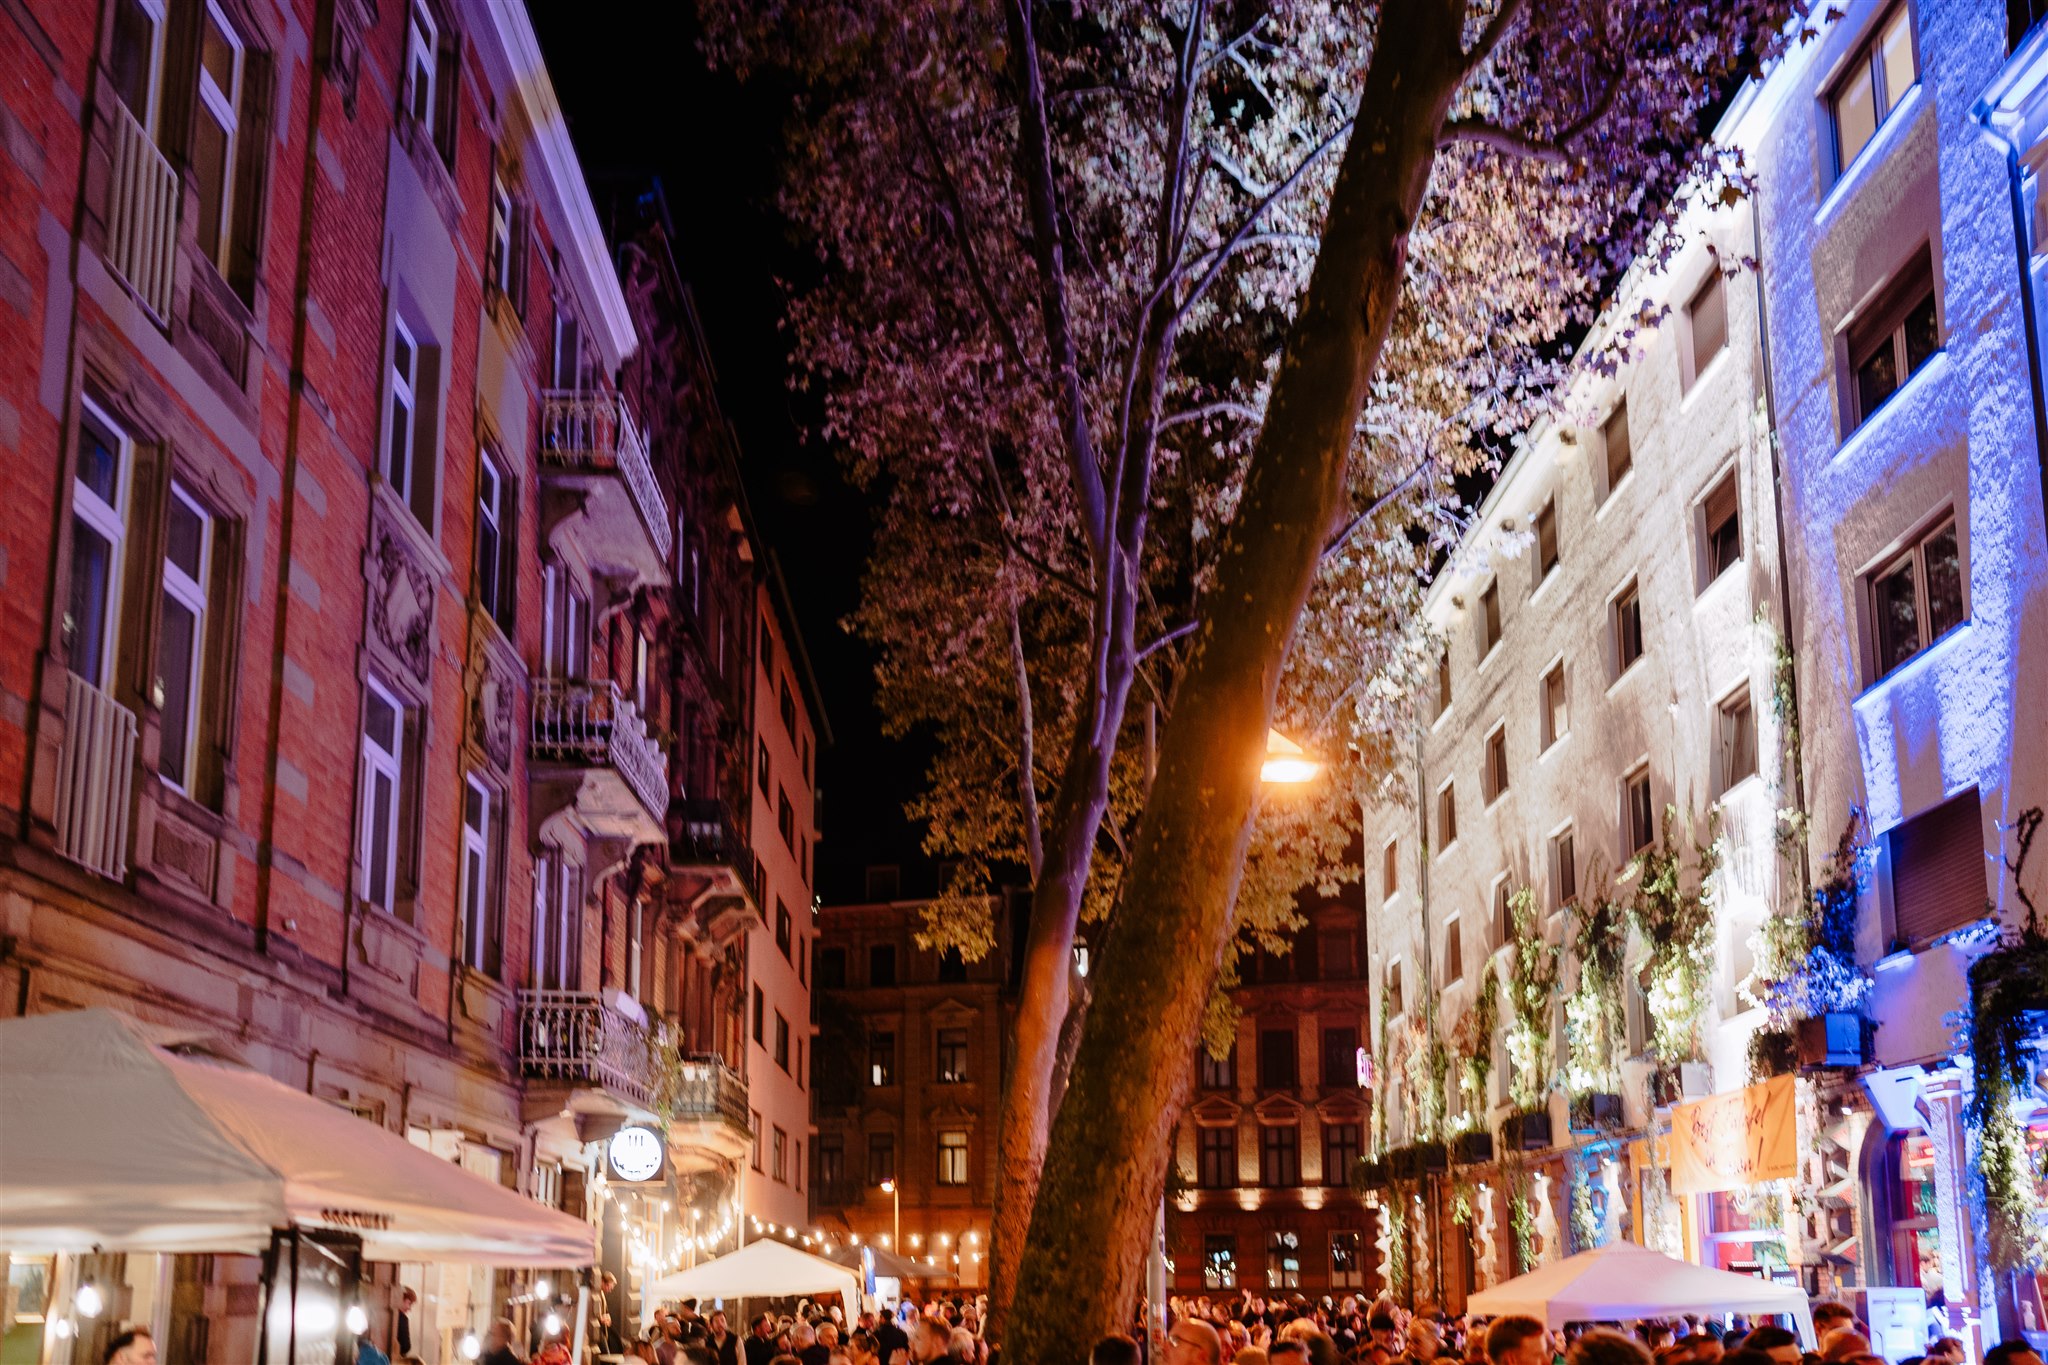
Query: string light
(88,1301)
(356,1319)
(471,1347)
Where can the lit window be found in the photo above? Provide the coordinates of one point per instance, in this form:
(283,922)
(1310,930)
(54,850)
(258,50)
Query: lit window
(1219,1261)
(1620,451)
(99,536)
(881,1059)
(1917,596)
(951,1052)
(1347,1260)
(181,648)
(1876,79)
(1707,322)
(953,1157)
(1556,712)
(1736,727)
(1892,339)
(1627,625)
(1283,1260)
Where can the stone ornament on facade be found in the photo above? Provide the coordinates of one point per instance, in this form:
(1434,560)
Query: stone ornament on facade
(493,702)
(401,600)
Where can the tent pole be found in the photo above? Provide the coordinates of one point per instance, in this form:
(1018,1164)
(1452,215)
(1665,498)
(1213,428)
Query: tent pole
(263,1302)
(291,1337)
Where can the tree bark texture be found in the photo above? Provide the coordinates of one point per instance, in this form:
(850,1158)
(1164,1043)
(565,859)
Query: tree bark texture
(1105,1167)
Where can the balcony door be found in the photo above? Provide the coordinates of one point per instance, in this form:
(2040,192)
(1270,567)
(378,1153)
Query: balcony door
(566,625)
(557,923)
(99,525)
(135,59)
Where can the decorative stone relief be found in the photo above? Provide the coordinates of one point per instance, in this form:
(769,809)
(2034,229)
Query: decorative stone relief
(493,703)
(401,599)
(184,853)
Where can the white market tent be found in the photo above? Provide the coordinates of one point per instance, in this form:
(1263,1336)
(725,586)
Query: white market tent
(110,1141)
(762,1270)
(1622,1282)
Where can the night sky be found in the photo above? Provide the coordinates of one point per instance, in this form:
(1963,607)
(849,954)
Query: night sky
(641,103)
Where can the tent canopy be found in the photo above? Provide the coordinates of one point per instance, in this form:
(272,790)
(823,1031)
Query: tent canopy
(764,1269)
(1621,1282)
(109,1141)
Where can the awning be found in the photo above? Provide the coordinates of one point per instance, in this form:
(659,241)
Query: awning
(764,1269)
(1623,1282)
(109,1141)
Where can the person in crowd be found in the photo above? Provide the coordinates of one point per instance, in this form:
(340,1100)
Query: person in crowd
(1425,1342)
(2017,1351)
(135,1346)
(1115,1349)
(760,1344)
(724,1342)
(401,1327)
(1829,1316)
(1517,1340)
(603,1334)
(1750,1355)
(1194,1343)
(1843,1343)
(930,1340)
(695,1352)
(1386,1333)
(1705,1347)
(498,1344)
(1602,1347)
(891,1341)
(963,1347)
(1775,1342)
(1288,1351)
(861,1348)
(1949,1349)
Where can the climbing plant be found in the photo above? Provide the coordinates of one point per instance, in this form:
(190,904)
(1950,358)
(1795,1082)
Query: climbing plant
(1532,984)
(1674,913)
(1472,1038)
(1806,956)
(1595,1027)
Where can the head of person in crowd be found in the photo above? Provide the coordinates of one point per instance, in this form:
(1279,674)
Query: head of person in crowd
(963,1345)
(1602,1347)
(1386,1333)
(135,1346)
(1843,1343)
(1674,1354)
(1775,1342)
(1288,1351)
(1949,1349)
(1194,1343)
(1655,1335)
(1424,1340)
(862,1348)
(1705,1347)
(1115,1349)
(1829,1315)
(2017,1351)
(697,1353)
(930,1339)
(1517,1340)
(1250,1355)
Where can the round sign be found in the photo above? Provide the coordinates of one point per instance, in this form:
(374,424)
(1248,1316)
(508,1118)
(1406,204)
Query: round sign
(635,1154)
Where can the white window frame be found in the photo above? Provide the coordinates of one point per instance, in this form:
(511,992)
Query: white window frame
(1869,57)
(152,97)
(490,511)
(422,62)
(224,107)
(556,881)
(402,385)
(190,593)
(476,870)
(390,764)
(498,250)
(962,1153)
(110,523)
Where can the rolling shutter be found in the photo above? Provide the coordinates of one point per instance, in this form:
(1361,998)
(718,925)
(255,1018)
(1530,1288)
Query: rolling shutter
(1938,869)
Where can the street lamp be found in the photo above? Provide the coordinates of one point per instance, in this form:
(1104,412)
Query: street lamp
(1287,764)
(896,1201)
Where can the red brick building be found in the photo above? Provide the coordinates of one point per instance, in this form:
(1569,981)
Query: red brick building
(380,604)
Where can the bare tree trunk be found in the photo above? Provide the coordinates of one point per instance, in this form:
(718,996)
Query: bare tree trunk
(1105,1167)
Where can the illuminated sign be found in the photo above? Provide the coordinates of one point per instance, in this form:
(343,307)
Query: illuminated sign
(635,1155)
(1364,1069)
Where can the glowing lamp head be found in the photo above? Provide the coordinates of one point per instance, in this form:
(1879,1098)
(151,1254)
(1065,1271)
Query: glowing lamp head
(358,1321)
(541,1287)
(89,1301)
(551,1325)
(888,1187)
(472,1346)
(1286,763)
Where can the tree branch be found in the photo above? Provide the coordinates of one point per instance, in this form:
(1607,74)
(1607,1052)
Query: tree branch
(1490,36)
(1027,768)
(956,216)
(1556,147)
(1258,210)
(1181,631)
(1336,542)
(1004,516)
(1221,408)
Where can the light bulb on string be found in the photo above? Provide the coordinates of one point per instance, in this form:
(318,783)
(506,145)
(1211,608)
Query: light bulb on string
(472,1348)
(357,1320)
(88,1300)
(541,1286)
(551,1324)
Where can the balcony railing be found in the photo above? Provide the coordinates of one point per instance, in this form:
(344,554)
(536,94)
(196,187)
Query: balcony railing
(95,770)
(593,723)
(709,1091)
(593,429)
(142,213)
(578,1039)
(709,835)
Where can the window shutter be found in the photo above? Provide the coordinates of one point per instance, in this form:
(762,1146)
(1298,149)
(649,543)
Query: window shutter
(252,161)
(447,97)
(521,245)
(1938,869)
(508,553)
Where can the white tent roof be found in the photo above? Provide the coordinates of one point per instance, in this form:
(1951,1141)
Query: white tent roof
(764,1269)
(1621,1282)
(107,1140)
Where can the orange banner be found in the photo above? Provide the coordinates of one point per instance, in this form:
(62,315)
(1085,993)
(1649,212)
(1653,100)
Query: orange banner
(1743,1137)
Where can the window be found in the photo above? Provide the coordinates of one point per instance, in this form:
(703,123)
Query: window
(761,767)
(1872,84)
(782,928)
(1546,539)
(99,535)
(1638,816)
(1891,339)
(1390,992)
(1555,717)
(1620,451)
(951,1051)
(481,936)
(1735,726)
(1937,868)
(785,819)
(807,758)
(408,446)
(1338,949)
(1503,914)
(1216,1150)
(754,1127)
(1489,618)
(1443,682)
(1917,596)
(1496,764)
(1706,317)
(636,937)
(2020,18)
(780,1170)
(1218,1073)
(135,58)
(383,777)
(557,923)
(830,1152)
(1721,528)
(786,707)
(760,1016)
(831,969)
(215,127)
(953,1157)
(565,624)
(1340,1058)
(1447,816)
(496,535)
(882,965)
(1219,1261)
(181,649)
(881,1059)
(1454,951)
(952,966)
(1626,622)
(421,67)
(505,258)
(1341,1145)
(1277,1069)
(881,1157)
(1564,866)
(1280,1155)
(1390,871)
(1347,1261)
(1283,1260)
(782,1042)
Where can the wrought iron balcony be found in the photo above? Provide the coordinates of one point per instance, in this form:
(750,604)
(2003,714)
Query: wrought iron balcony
(577,1039)
(142,213)
(591,449)
(714,868)
(593,727)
